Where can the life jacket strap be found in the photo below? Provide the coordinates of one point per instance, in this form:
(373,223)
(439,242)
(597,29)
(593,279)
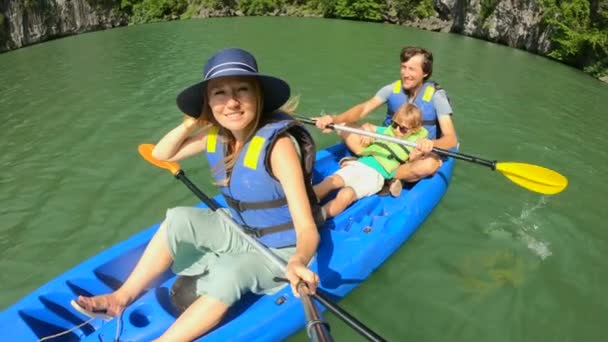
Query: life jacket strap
(430,122)
(258,233)
(242,206)
(392,154)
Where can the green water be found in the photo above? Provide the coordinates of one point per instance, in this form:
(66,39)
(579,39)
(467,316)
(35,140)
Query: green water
(493,262)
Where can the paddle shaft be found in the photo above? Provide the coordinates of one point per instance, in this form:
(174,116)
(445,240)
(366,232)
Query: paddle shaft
(489,163)
(351,321)
(306,302)
(532,177)
(316,329)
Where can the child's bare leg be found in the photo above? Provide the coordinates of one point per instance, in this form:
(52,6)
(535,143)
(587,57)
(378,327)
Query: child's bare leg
(343,199)
(328,185)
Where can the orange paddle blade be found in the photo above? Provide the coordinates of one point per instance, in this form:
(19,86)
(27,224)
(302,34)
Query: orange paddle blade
(146,152)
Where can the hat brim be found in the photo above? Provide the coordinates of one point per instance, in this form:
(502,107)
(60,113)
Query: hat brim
(275,93)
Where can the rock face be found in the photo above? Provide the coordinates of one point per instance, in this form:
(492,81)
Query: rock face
(25,22)
(516,23)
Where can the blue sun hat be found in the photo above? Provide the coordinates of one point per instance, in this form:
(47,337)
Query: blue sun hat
(233,62)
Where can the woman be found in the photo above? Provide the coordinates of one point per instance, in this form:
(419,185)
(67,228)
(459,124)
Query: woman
(262,162)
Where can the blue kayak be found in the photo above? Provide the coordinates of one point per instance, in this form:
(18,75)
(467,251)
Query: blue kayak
(353,245)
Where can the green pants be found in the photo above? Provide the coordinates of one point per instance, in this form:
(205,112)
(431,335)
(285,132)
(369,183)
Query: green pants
(203,244)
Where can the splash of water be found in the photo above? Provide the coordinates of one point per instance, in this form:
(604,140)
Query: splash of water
(523,228)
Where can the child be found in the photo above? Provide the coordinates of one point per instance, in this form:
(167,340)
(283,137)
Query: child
(364,176)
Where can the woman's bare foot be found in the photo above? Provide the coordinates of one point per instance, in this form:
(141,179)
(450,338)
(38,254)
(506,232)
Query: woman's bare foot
(113,304)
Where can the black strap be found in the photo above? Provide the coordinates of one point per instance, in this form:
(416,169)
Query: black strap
(406,149)
(259,232)
(242,206)
(430,122)
(392,154)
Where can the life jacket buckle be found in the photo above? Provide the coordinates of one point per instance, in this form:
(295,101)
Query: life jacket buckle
(234,203)
(252,232)
(239,206)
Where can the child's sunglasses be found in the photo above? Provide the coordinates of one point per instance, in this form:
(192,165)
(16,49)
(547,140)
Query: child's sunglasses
(401,128)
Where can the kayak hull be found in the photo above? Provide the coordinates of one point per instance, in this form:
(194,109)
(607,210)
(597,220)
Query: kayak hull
(352,246)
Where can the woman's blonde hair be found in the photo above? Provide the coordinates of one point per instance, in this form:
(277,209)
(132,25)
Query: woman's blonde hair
(207,120)
(411,115)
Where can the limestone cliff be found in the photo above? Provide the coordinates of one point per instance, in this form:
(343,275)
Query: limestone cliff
(516,23)
(580,39)
(25,22)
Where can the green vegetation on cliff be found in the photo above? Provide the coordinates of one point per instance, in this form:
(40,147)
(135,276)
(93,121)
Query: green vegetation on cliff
(413,9)
(581,33)
(487,8)
(368,10)
(578,29)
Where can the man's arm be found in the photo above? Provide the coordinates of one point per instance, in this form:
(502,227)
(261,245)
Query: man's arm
(448,138)
(359,111)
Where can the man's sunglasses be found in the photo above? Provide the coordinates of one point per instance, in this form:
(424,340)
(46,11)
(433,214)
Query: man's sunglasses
(401,128)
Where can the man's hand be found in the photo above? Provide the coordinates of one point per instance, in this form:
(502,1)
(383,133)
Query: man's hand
(425,146)
(324,121)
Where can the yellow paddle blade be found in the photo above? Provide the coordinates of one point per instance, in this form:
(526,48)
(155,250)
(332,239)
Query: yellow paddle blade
(146,152)
(533,177)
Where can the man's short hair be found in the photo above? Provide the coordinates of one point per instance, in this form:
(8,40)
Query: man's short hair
(427,64)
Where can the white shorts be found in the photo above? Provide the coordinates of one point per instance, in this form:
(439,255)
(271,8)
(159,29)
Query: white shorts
(364,180)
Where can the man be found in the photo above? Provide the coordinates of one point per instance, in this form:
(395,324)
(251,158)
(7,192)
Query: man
(413,87)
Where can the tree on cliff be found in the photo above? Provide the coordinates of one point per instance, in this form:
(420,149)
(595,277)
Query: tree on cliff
(581,33)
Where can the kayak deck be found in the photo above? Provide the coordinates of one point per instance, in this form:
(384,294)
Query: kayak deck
(353,244)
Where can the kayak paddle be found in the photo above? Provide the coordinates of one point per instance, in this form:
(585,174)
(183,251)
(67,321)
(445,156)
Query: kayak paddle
(316,328)
(532,177)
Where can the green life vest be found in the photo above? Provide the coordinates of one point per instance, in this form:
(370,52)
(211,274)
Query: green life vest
(389,154)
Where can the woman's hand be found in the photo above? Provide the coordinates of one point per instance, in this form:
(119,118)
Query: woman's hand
(190,123)
(296,271)
(180,143)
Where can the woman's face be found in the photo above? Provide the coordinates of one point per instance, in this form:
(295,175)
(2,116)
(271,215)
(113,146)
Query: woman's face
(233,102)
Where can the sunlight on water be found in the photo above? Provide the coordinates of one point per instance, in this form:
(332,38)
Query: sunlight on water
(509,260)
(486,273)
